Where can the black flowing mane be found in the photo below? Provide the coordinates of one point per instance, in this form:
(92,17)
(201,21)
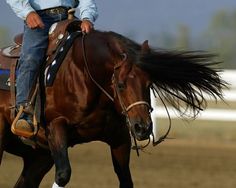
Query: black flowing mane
(179,77)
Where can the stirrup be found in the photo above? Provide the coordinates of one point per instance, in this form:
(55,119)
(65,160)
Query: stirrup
(18,132)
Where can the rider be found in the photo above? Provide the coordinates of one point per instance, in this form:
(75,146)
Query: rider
(38,16)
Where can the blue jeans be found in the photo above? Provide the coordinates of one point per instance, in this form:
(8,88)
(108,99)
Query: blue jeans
(33,55)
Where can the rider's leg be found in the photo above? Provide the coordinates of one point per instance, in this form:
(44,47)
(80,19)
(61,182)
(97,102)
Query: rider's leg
(34,48)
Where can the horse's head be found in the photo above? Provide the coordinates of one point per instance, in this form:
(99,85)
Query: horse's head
(132,94)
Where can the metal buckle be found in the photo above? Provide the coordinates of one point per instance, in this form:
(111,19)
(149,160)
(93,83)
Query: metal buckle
(55,11)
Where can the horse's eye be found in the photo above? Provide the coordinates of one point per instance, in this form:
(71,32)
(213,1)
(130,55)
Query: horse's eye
(121,86)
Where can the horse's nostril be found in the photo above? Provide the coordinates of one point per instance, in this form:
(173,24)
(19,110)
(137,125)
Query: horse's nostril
(142,131)
(137,128)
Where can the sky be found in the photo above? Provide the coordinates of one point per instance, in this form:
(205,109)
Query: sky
(142,17)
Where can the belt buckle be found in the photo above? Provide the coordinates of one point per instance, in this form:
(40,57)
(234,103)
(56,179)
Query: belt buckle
(55,11)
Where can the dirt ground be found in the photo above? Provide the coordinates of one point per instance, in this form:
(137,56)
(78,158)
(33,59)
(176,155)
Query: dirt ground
(177,163)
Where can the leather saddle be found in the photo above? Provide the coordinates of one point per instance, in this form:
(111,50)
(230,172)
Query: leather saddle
(10,55)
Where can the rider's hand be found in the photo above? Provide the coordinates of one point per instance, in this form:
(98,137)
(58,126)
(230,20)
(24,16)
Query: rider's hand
(34,21)
(86,26)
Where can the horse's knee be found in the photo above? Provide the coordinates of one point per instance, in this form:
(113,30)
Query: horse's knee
(63,177)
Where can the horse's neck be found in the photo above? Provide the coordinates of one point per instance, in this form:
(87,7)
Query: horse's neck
(88,66)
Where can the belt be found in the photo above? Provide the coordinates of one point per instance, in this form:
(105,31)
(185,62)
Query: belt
(55,10)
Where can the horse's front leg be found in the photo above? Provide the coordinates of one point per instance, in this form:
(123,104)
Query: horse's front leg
(57,139)
(120,159)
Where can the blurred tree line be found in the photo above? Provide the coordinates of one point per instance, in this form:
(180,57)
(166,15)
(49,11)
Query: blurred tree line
(219,38)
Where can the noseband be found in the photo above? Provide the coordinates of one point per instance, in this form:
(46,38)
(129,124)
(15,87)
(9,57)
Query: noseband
(125,109)
(138,103)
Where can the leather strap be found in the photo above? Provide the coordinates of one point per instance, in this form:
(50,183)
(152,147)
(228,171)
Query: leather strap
(13,89)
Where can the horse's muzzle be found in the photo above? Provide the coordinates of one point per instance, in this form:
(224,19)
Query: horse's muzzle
(141,130)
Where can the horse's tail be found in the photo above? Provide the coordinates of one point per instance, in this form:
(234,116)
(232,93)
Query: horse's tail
(184,76)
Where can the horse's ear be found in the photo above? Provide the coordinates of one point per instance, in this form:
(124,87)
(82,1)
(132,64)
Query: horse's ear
(145,47)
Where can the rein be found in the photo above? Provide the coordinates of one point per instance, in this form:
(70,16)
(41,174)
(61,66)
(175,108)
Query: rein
(91,77)
(161,138)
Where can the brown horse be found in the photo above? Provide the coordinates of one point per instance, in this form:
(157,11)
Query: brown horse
(102,92)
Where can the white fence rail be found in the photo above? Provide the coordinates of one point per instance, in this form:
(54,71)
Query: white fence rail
(210,113)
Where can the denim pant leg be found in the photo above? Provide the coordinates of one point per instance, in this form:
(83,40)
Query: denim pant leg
(34,47)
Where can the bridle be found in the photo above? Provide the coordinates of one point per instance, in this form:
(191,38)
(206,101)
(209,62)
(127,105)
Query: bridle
(117,89)
(125,109)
